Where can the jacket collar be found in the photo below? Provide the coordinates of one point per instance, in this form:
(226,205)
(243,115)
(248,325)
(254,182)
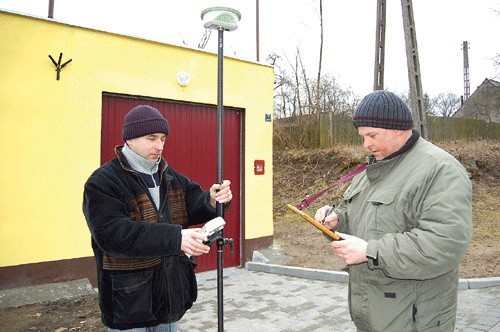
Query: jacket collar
(139,163)
(378,169)
(408,145)
(122,159)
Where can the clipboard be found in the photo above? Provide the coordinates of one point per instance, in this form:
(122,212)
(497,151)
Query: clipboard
(313,222)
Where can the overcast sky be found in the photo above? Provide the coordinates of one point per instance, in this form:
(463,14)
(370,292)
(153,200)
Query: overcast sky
(349,34)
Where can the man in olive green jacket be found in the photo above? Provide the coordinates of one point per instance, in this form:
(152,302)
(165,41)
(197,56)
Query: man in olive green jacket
(406,224)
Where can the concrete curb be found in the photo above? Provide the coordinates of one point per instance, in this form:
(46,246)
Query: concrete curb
(335,276)
(478,283)
(299,272)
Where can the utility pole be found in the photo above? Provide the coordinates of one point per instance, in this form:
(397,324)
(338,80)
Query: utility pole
(378,79)
(412,59)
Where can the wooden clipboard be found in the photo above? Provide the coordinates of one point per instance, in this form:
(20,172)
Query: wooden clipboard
(313,222)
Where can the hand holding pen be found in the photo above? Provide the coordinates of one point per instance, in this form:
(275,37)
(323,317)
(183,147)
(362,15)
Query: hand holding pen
(330,210)
(331,223)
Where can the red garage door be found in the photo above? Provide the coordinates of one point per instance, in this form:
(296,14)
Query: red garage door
(191,149)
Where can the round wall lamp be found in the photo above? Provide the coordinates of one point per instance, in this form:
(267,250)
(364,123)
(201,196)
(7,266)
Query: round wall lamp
(183,78)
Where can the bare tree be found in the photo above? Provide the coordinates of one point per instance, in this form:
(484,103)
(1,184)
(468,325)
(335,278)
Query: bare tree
(318,79)
(306,82)
(496,63)
(284,89)
(333,98)
(429,104)
(446,104)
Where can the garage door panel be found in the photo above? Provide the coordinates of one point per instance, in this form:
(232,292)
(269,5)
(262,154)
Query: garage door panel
(191,149)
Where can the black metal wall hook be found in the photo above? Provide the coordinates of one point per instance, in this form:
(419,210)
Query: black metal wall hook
(58,64)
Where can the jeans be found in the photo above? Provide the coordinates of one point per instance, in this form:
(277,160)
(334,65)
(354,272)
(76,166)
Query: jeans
(171,327)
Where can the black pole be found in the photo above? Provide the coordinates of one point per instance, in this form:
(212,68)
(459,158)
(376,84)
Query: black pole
(220,111)
(51,8)
(219,207)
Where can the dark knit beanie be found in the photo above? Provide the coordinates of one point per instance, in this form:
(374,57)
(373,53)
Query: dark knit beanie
(143,120)
(383,109)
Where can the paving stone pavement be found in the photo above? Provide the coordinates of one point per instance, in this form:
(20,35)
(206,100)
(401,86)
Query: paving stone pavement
(260,301)
(268,302)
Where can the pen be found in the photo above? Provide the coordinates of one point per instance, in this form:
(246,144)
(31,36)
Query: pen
(330,210)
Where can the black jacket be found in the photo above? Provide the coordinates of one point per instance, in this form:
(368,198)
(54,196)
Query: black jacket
(134,242)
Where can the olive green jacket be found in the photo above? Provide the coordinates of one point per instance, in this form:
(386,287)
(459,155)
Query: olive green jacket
(414,210)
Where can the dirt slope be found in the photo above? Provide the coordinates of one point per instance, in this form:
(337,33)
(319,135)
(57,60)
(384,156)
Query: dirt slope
(300,173)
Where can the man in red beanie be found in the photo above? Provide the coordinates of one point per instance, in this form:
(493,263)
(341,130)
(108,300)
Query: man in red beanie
(406,224)
(138,209)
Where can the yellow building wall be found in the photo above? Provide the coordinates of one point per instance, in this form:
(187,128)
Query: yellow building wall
(50,129)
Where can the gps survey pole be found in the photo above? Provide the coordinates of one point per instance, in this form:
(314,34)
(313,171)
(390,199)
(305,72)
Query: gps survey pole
(220,19)
(220,114)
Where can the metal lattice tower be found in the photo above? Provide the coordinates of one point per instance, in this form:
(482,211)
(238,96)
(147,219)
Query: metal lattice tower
(465,48)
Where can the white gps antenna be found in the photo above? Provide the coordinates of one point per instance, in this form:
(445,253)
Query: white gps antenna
(220,18)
